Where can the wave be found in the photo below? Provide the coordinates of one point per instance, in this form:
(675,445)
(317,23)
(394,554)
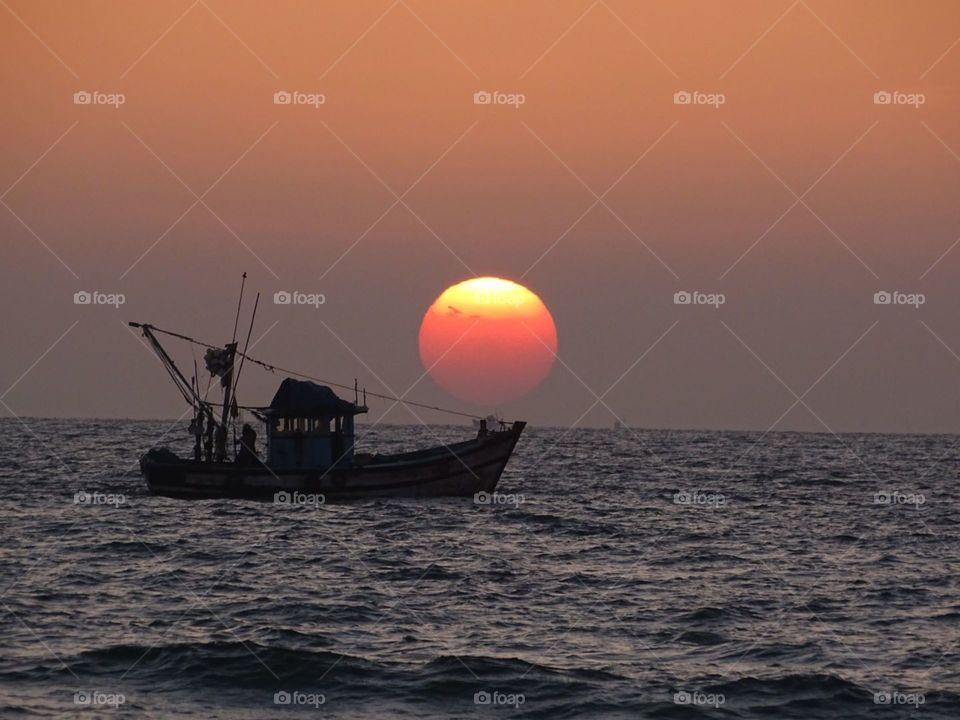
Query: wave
(245,673)
(701,637)
(819,685)
(235,664)
(419,574)
(239,663)
(713,614)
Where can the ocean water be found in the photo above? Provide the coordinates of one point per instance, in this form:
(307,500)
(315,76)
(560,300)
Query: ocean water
(652,574)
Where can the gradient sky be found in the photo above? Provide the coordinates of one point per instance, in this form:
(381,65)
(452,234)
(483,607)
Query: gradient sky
(306,198)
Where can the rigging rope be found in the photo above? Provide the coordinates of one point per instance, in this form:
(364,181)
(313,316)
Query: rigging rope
(277,368)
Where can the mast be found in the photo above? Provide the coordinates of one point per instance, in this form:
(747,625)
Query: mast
(227,382)
(197,425)
(246,345)
(220,454)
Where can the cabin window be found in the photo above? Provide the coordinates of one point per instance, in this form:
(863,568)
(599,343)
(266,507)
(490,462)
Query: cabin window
(313,426)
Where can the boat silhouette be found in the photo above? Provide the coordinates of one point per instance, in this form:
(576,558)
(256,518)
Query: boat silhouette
(310,435)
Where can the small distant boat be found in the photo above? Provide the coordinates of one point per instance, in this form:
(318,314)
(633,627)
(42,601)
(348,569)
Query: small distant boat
(309,445)
(620,427)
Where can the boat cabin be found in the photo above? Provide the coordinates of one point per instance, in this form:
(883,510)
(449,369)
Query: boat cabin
(308,426)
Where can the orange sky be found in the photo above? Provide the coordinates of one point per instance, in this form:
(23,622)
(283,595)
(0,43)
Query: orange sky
(295,193)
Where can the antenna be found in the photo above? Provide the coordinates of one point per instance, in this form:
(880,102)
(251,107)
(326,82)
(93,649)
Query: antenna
(236,322)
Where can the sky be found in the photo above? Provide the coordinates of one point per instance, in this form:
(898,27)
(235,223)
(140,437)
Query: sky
(780,162)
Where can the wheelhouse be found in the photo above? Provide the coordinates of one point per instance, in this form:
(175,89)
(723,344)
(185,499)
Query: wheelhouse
(308,426)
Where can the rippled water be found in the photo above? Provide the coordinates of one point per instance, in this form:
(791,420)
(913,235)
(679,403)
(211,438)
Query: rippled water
(773,585)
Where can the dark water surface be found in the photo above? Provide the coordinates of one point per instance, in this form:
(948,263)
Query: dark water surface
(777,584)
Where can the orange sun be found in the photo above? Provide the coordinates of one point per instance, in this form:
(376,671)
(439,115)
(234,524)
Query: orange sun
(488,340)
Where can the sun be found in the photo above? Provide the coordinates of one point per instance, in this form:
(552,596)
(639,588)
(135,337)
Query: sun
(488,340)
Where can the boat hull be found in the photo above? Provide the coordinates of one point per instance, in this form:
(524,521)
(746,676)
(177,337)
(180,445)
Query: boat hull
(460,470)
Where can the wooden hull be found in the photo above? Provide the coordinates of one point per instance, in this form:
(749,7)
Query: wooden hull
(460,470)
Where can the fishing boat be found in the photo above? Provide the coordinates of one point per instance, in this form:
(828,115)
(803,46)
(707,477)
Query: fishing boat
(310,443)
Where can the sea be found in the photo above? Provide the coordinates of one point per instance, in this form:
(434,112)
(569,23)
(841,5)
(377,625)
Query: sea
(632,574)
